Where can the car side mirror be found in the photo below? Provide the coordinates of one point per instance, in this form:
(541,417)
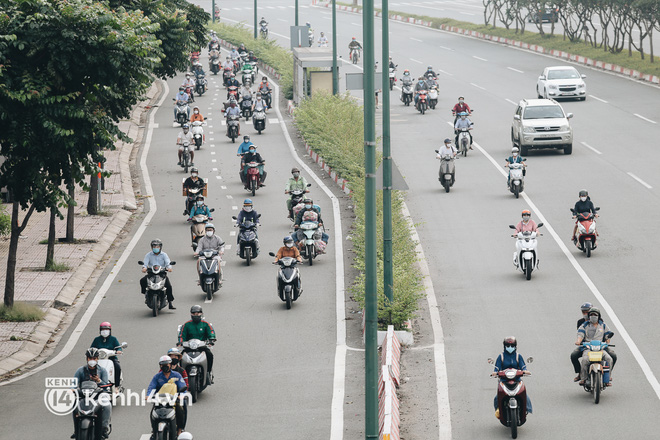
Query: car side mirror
(271,254)
(141,263)
(539,225)
(124,344)
(512,227)
(583,76)
(516,117)
(542,77)
(569,116)
(490,360)
(172,263)
(212,209)
(530,360)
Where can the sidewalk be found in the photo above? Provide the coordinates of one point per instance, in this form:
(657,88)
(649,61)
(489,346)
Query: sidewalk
(55,291)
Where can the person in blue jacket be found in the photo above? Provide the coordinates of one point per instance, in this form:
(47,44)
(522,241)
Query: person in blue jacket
(199,208)
(161,378)
(510,358)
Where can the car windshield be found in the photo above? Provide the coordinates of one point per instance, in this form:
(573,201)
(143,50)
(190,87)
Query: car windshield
(563,74)
(543,112)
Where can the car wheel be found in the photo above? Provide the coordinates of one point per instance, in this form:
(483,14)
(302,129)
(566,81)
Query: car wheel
(584,98)
(537,93)
(524,151)
(545,93)
(568,149)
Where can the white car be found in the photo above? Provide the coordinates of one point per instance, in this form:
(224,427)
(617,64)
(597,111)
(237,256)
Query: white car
(561,82)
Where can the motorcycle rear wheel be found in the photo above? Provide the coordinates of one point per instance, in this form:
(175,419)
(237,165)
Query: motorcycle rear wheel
(287,297)
(192,387)
(528,271)
(513,421)
(447,186)
(155,305)
(209,292)
(516,191)
(248,254)
(253,186)
(588,244)
(596,379)
(310,254)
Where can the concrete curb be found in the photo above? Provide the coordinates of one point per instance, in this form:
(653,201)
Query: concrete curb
(623,71)
(343,183)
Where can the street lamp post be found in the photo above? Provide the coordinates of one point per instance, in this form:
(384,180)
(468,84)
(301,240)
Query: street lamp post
(335,72)
(255,19)
(388,271)
(296,14)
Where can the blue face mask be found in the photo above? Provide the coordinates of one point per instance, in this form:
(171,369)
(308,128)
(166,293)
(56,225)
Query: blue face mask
(510,349)
(156,250)
(308,206)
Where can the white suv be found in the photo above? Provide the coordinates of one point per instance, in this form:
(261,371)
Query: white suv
(541,123)
(561,82)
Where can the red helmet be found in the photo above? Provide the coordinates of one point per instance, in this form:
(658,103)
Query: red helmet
(105,326)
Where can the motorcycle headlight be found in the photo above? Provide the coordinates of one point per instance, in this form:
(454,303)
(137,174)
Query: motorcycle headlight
(194,345)
(510,374)
(592,228)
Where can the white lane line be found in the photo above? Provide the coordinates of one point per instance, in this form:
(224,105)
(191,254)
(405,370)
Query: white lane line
(640,181)
(515,70)
(511,102)
(479,58)
(100,294)
(223,187)
(214,160)
(591,148)
(614,319)
(212,152)
(273,120)
(218,177)
(229,196)
(446,73)
(598,99)
(441,380)
(477,86)
(281,19)
(466,13)
(446,48)
(646,119)
(415,61)
(250,26)
(232,233)
(214,169)
(355,24)
(351,64)
(234,208)
(415,39)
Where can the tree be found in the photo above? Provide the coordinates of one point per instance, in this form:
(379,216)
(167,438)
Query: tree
(69,71)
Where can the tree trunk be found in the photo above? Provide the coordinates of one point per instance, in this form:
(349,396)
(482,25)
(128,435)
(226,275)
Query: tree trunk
(651,43)
(50,251)
(70,212)
(93,200)
(13,249)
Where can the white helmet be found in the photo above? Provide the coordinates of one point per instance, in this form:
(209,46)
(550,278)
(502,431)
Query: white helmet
(164,360)
(185,436)
(514,150)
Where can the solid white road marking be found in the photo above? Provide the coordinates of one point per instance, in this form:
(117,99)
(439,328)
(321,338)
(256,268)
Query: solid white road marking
(446,73)
(234,208)
(598,99)
(415,39)
(479,58)
(508,100)
(218,177)
(479,87)
(640,181)
(515,70)
(223,187)
(232,233)
(229,196)
(273,120)
(646,119)
(415,61)
(446,48)
(591,148)
(465,13)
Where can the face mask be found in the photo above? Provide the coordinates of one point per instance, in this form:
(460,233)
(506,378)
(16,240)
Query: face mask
(165,368)
(515,154)
(209,233)
(194,174)
(92,364)
(583,199)
(252,150)
(105,333)
(247,208)
(156,250)
(175,361)
(196,318)
(510,349)
(296,175)
(593,319)
(200,203)
(308,206)
(196,112)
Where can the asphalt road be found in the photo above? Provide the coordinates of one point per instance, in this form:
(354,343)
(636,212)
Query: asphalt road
(466,240)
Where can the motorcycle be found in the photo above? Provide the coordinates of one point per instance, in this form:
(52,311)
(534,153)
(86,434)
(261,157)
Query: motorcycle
(191,197)
(525,257)
(433,96)
(181,112)
(355,55)
(406,94)
(599,372)
(463,141)
(232,127)
(163,416)
(214,65)
(259,120)
(585,240)
(210,273)
(246,105)
(512,397)
(310,37)
(87,413)
(264,31)
(266,96)
(422,103)
(198,133)
(247,74)
(288,280)
(253,178)
(189,92)
(109,366)
(156,298)
(232,92)
(200,84)
(214,44)
(185,157)
(198,223)
(516,178)
(195,363)
(311,245)
(296,197)
(447,172)
(248,243)
(226,74)
(392,76)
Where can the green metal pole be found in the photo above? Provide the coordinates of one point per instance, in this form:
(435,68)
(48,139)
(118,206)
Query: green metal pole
(213,11)
(296,19)
(335,72)
(255,19)
(388,271)
(371,300)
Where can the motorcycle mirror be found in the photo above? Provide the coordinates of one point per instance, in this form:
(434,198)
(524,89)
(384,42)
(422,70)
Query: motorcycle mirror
(609,335)
(530,360)
(271,254)
(205,119)
(172,263)
(141,263)
(258,215)
(572,210)
(437,151)
(124,344)
(597,208)
(233,217)
(539,225)
(512,227)
(491,361)
(309,184)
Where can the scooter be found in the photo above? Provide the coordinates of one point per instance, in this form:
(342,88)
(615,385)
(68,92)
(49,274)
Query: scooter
(516,178)
(109,366)
(406,94)
(246,105)
(289,285)
(355,55)
(247,74)
(198,133)
(585,240)
(311,245)
(210,273)
(433,96)
(259,120)
(181,112)
(185,157)
(191,196)
(266,96)
(226,74)
(464,140)
(163,416)
(599,372)
(512,397)
(264,31)
(214,65)
(525,257)
(198,223)
(296,197)
(392,76)
(447,171)
(200,84)
(156,298)
(87,413)
(252,178)
(189,92)
(248,243)
(422,103)
(310,37)
(196,365)
(232,91)
(232,127)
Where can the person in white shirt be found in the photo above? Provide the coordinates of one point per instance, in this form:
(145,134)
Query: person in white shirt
(447,150)
(185,135)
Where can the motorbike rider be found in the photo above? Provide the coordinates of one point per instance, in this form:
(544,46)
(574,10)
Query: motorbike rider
(234,54)
(185,135)
(526,224)
(295,183)
(198,328)
(232,82)
(354,45)
(196,116)
(464,122)
(264,86)
(407,79)
(514,158)
(210,241)
(233,110)
(194,181)
(584,205)
(252,57)
(510,358)
(198,70)
(189,82)
(92,371)
(109,342)
(181,98)
(247,214)
(430,73)
(259,104)
(244,91)
(577,353)
(175,354)
(157,258)
(199,208)
(242,49)
(161,378)
(288,250)
(447,150)
(592,329)
(214,39)
(253,156)
(421,85)
(244,147)
(392,65)
(309,206)
(323,40)
(459,107)
(214,54)
(228,64)
(263,22)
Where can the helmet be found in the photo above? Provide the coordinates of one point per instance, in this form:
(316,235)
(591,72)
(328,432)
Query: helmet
(105,326)
(174,350)
(164,360)
(353,38)
(287,239)
(583,193)
(185,436)
(196,309)
(322,34)
(242,45)
(180,88)
(429,68)
(514,150)
(586,307)
(247,202)
(228,57)
(594,310)
(447,141)
(526,212)
(233,75)
(195,108)
(156,242)
(263,78)
(187,74)
(209,226)
(252,146)
(406,72)
(510,340)
(194,170)
(461,97)
(246,138)
(295,170)
(200,197)
(250,53)
(308,200)
(462,114)
(185,126)
(308,24)
(92,352)
(212,32)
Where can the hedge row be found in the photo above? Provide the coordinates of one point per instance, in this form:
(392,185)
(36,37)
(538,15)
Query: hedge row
(334,127)
(267,51)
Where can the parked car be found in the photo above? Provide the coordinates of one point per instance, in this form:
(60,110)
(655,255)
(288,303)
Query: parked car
(561,82)
(549,13)
(541,123)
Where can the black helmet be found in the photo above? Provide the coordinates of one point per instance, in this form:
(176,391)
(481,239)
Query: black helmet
(510,340)
(196,309)
(246,138)
(156,242)
(583,193)
(194,170)
(92,353)
(586,307)
(287,239)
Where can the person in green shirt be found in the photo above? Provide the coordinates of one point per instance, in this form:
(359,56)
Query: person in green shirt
(109,342)
(295,183)
(198,328)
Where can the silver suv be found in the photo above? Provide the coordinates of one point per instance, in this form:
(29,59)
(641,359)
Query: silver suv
(541,123)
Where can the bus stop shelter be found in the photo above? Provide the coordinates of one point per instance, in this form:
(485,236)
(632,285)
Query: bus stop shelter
(312,71)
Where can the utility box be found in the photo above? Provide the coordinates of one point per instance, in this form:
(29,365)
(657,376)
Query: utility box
(312,70)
